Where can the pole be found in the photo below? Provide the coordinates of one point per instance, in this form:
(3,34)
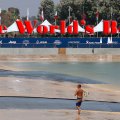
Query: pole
(56,18)
(83,26)
(0,16)
(28,17)
(28,14)
(42,14)
(55,22)
(111,19)
(97,19)
(69,13)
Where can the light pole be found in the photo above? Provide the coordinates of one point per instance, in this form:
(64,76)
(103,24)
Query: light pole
(83,15)
(97,18)
(111,18)
(0,16)
(70,9)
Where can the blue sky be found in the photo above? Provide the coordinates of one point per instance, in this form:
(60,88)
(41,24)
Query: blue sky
(23,5)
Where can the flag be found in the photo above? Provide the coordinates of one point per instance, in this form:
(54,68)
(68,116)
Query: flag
(28,14)
(56,15)
(42,16)
(0,15)
(97,15)
(84,16)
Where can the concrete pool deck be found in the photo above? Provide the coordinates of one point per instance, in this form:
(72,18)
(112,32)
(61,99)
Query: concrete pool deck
(18,86)
(15,86)
(57,115)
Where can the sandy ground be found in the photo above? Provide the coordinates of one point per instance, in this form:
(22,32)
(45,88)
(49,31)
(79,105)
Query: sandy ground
(56,115)
(11,86)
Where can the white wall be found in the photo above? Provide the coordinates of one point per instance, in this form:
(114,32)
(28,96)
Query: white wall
(28,51)
(114,51)
(54,51)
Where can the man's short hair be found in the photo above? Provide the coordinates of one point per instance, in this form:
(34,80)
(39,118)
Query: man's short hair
(79,86)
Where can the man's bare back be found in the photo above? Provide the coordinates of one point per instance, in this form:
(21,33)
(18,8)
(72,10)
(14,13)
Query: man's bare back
(79,93)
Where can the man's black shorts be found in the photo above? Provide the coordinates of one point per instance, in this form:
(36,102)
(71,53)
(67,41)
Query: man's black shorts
(79,102)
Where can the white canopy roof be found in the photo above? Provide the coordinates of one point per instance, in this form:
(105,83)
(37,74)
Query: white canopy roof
(46,23)
(13,27)
(99,27)
(80,29)
(57,30)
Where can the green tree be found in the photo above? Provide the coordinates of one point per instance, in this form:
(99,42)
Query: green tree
(76,10)
(104,8)
(15,13)
(90,7)
(8,17)
(48,8)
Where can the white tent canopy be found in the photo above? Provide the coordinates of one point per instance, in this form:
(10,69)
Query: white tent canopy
(57,30)
(99,27)
(80,29)
(45,23)
(13,27)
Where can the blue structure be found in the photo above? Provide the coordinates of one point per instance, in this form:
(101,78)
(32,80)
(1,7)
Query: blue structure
(58,43)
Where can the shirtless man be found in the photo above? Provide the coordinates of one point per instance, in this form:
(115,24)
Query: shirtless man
(79,94)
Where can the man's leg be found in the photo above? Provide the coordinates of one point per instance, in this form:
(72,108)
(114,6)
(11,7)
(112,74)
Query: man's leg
(78,108)
(78,104)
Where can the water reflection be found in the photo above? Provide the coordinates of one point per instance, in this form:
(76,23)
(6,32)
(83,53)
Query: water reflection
(95,71)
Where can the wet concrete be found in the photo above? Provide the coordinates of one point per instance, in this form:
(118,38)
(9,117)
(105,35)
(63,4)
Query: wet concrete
(40,103)
(48,76)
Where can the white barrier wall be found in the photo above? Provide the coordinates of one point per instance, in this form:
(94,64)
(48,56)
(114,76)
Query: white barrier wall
(54,51)
(28,51)
(113,51)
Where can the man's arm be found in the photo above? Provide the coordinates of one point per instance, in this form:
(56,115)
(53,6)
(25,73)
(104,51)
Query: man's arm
(82,95)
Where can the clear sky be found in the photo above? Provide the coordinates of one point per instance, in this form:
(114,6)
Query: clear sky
(23,5)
